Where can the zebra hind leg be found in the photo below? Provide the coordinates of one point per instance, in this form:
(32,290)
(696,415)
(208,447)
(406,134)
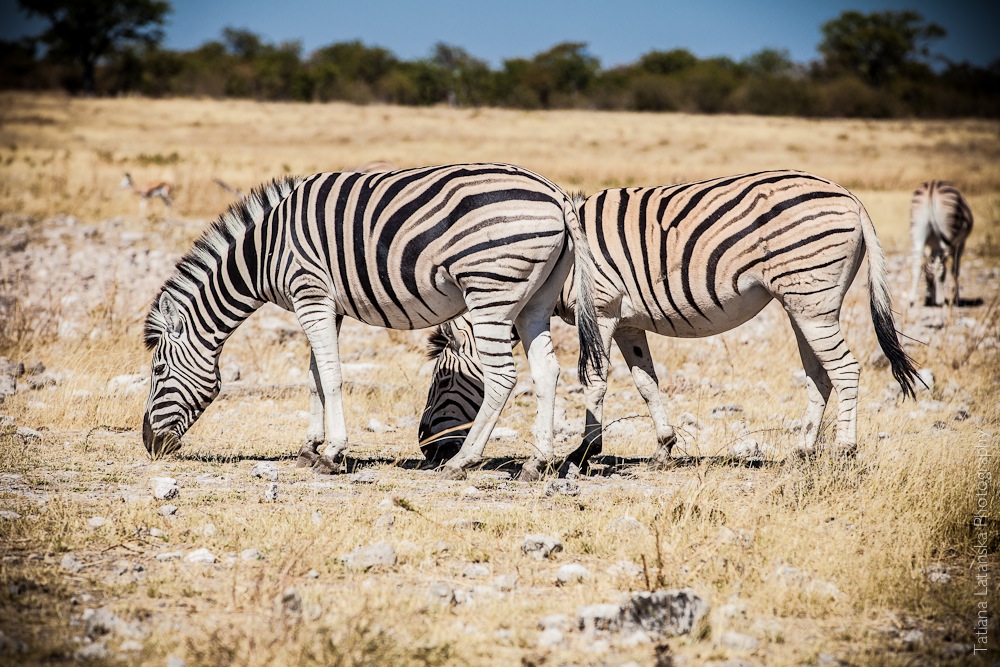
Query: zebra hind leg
(499,375)
(822,344)
(818,388)
(635,349)
(309,452)
(594,393)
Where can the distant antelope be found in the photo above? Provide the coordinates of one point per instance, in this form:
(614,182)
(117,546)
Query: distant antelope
(161,189)
(940,222)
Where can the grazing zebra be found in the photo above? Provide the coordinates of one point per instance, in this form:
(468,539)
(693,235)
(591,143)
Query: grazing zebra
(940,222)
(403,249)
(699,259)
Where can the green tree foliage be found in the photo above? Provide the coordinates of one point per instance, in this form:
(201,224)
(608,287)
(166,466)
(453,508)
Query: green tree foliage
(873,65)
(877,47)
(85,31)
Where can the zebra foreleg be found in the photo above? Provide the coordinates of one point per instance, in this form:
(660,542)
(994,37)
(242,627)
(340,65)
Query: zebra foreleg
(499,375)
(537,340)
(635,349)
(322,329)
(316,433)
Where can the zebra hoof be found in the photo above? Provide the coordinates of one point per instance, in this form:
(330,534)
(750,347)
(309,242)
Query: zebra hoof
(326,466)
(453,473)
(662,463)
(306,459)
(569,470)
(845,452)
(531,471)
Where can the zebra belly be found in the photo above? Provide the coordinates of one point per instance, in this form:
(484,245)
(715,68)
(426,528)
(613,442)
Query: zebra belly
(429,306)
(689,323)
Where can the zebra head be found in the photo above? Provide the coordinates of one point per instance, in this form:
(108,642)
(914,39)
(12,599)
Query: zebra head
(185,377)
(456,391)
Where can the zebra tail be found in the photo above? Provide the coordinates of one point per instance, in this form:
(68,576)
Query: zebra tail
(881,305)
(584,266)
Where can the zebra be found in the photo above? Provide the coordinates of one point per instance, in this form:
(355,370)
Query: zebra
(403,249)
(699,259)
(940,222)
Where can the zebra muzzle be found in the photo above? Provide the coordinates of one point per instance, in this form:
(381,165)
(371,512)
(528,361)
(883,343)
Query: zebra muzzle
(159,444)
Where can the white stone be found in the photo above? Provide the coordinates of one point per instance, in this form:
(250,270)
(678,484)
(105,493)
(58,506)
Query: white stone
(200,556)
(571,573)
(251,554)
(737,641)
(375,426)
(168,510)
(549,638)
(476,571)
(70,563)
(271,492)
(362,559)
(625,524)
(927,375)
(164,488)
(169,555)
(541,547)
(265,470)
(96,522)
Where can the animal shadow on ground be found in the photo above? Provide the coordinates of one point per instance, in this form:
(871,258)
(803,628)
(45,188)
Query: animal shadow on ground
(961,303)
(600,466)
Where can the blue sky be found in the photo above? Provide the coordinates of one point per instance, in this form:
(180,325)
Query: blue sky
(617,32)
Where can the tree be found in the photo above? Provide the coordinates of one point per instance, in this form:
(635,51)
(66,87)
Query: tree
(85,31)
(877,46)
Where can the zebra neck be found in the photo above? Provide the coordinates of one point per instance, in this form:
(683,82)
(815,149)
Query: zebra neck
(225,292)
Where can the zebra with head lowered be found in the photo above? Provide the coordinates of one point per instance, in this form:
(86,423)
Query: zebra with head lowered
(940,222)
(699,259)
(402,249)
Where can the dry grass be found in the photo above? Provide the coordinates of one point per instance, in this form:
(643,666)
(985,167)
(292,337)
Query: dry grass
(867,527)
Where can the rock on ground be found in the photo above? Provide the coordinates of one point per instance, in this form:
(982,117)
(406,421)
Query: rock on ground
(563,487)
(541,547)
(265,470)
(200,556)
(571,573)
(164,488)
(362,559)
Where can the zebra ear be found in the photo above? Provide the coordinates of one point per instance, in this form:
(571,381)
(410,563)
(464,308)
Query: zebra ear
(171,314)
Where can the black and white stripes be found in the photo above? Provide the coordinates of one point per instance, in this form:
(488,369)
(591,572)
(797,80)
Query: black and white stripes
(940,222)
(402,249)
(698,259)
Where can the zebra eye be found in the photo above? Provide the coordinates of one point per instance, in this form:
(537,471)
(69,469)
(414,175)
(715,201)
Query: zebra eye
(160,369)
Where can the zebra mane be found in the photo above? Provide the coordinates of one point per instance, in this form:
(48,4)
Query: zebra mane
(214,243)
(440,339)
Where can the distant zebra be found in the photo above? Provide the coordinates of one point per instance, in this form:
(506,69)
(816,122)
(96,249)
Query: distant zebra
(699,259)
(940,222)
(403,249)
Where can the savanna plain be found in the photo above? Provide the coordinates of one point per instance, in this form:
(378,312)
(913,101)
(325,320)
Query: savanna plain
(877,560)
